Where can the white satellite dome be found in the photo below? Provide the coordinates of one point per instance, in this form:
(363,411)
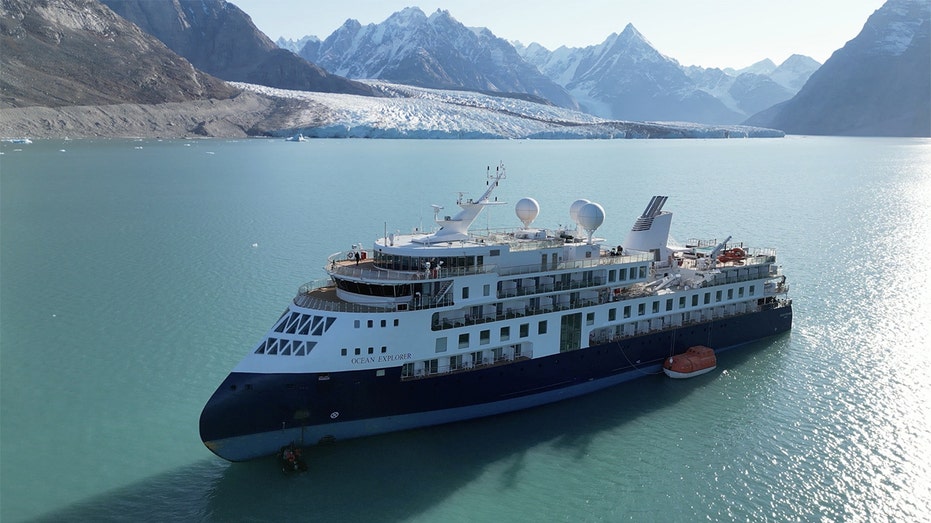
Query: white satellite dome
(527,210)
(591,216)
(574,209)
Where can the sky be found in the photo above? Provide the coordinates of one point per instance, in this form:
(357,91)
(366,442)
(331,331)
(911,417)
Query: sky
(709,33)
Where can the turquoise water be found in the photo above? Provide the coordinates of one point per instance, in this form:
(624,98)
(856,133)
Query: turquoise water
(135,275)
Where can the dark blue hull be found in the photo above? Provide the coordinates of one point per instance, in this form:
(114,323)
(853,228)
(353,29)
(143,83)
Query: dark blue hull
(253,415)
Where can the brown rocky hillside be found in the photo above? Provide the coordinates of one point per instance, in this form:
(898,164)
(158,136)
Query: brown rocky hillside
(57,53)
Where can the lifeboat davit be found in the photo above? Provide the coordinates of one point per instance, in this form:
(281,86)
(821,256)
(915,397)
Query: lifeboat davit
(693,362)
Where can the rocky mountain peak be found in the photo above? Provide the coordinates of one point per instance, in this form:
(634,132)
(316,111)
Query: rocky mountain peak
(436,51)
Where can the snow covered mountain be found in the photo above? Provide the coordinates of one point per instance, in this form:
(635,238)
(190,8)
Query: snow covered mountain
(295,46)
(745,93)
(764,66)
(878,84)
(794,72)
(626,78)
(435,51)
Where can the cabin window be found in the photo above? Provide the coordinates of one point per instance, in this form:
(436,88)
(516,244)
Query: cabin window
(643,271)
(590,318)
(463,340)
(669,304)
(718,296)
(358,351)
(342,352)
(395,322)
(730,294)
(384,349)
(627,311)
(524,330)
(694,300)
(740,292)
(465,293)
(588,254)
(541,327)
(484,337)
(494,252)
(707,298)
(681,302)
(356,324)
(641,309)
(407,370)
(612,314)
(371,324)
(622,274)
(612,276)
(371,350)
(655,307)
(486,290)
(505,333)
(440,344)
(384,323)
(752,289)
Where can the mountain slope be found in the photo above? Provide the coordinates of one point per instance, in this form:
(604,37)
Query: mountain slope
(878,84)
(78,52)
(220,39)
(436,51)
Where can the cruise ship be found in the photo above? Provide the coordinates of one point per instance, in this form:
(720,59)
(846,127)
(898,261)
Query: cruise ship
(452,324)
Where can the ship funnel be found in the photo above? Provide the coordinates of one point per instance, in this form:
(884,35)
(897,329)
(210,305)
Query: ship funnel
(650,232)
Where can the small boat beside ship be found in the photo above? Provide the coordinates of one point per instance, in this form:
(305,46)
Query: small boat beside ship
(696,361)
(438,326)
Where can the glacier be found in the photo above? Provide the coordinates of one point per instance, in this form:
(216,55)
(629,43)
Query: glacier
(415,112)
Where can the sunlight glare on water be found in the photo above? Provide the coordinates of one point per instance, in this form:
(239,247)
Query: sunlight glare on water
(135,279)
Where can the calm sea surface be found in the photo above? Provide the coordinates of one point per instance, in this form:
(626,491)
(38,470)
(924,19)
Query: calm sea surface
(136,274)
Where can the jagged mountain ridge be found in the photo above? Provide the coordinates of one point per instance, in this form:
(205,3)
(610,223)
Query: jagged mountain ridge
(77,52)
(625,77)
(220,39)
(436,51)
(293,45)
(878,84)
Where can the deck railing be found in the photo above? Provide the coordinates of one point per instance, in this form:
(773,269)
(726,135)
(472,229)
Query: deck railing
(367,270)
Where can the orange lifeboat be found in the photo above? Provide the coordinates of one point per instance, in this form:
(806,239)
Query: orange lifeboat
(693,362)
(735,254)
